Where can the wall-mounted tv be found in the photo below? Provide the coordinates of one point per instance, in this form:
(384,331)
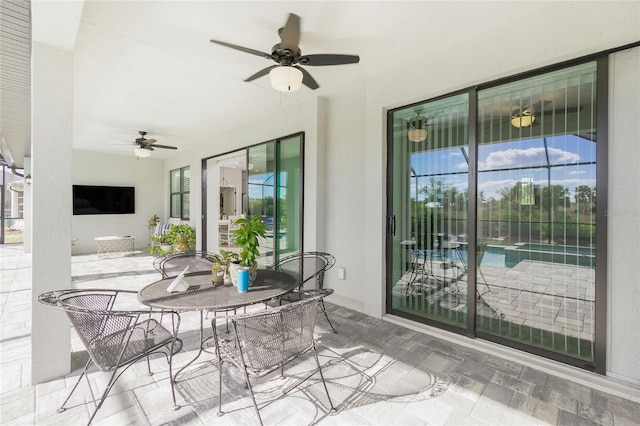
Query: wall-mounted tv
(92,199)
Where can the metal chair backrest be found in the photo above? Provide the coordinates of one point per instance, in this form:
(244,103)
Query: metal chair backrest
(111,337)
(102,331)
(266,340)
(269,339)
(307,266)
(115,338)
(172,264)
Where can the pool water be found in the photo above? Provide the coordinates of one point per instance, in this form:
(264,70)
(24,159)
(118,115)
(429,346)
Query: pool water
(587,251)
(496,256)
(568,255)
(493,256)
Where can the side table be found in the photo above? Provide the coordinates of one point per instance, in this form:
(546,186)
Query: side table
(113,246)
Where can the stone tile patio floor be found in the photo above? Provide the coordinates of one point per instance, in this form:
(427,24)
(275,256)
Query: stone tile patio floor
(378,373)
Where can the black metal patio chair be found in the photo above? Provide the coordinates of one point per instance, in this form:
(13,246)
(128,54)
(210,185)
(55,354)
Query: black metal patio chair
(172,264)
(267,340)
(309,269)
(115,338)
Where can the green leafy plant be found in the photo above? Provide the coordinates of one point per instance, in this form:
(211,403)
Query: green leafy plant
(246,236)
(220,266)
(227,257)
(178,232)
(224,258)
(159,240)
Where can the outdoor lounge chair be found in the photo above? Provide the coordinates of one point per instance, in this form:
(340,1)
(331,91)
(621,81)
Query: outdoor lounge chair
(309,268)
(267,340)
(114,339)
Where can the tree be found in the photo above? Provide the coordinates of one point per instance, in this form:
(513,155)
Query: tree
(558,195)
(585,197)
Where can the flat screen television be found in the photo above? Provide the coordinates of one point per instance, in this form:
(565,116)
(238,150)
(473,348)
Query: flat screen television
(93,199)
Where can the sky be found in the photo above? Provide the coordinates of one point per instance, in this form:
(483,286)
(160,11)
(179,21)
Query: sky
(574,153)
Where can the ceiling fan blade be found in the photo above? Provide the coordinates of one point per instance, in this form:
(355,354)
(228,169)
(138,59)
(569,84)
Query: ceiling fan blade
(290,33)
(329,59)
(558,111)
(242,49)
(149,141)
(163,146)
(261,73)
(307,80)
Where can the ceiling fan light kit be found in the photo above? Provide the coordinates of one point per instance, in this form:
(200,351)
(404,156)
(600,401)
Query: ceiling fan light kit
(417,133)
(142,152)
(525,119)
(286,78)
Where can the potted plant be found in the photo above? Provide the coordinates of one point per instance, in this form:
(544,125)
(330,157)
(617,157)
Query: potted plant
(154,220)
(220,266)
(163,244)
(247,238)
(183,237)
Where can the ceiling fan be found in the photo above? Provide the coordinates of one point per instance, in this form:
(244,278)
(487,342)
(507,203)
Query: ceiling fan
(287,75)
(144,146)
(525,116)
(417,125)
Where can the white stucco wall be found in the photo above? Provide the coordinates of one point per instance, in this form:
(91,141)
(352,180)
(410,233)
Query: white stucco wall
(623,217)
(147,175)
(52,133)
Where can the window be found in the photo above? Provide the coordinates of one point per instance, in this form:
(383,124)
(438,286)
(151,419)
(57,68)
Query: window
(180,184)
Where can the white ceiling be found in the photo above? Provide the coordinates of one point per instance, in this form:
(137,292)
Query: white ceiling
(149,65)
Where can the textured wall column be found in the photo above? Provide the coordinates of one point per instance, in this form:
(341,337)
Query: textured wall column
(623,216)
(52,131)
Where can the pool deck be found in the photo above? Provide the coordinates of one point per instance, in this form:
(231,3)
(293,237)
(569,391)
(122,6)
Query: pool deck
(543,295)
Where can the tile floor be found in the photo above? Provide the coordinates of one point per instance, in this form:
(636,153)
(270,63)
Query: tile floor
(378,373)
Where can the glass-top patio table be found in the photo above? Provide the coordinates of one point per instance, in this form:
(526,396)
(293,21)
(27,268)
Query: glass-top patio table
(203,296)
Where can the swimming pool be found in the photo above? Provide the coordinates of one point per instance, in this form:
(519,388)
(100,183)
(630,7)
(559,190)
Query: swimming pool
(510,256)
(568,255)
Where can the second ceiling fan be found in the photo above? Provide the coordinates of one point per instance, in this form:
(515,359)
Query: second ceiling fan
(144,146)
(287,75)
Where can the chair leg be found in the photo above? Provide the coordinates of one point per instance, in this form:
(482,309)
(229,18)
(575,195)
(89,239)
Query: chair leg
(84,372)
(253,397)
(315,356)
(324,311)
(112,381)
(220,412)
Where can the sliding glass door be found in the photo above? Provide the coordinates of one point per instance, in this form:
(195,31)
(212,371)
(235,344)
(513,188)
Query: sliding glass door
(537,182)
(492,213)
(274,188)
(430,164)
